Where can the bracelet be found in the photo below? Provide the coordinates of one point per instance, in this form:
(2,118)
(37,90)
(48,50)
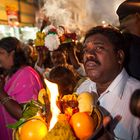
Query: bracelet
(5,100)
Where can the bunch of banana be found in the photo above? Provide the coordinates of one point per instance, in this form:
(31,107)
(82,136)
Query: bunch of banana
(97,116)
(40,39)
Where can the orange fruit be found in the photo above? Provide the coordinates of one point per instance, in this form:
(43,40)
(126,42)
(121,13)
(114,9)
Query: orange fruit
(83,125)
(34,129)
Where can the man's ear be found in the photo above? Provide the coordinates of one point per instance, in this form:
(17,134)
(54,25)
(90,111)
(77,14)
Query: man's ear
(121,56)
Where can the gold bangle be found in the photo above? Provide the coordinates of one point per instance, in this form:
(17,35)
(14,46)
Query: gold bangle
(5,100)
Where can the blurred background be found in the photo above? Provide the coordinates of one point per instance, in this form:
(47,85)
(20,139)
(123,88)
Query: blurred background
(23,18)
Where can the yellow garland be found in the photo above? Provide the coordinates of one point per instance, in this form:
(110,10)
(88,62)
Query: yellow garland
(40,39)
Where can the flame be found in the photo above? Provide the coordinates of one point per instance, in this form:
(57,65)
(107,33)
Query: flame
(53,88)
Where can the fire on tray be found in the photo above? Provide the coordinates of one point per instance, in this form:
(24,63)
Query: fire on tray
(71,118)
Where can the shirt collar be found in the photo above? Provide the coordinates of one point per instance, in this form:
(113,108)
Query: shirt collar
(118,84)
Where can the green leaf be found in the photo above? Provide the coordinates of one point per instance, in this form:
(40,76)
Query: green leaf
(30,109)
(30,112)
(17,124)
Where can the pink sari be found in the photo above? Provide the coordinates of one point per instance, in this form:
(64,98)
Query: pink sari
(23,86)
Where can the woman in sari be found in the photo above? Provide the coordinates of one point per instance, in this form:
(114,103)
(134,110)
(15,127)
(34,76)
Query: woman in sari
(20,84)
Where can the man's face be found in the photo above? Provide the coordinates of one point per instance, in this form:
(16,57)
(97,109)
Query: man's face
(101,61)
(58,58)
(129,23)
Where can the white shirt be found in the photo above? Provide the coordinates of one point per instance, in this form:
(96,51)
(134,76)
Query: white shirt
(86,86)
(116,100)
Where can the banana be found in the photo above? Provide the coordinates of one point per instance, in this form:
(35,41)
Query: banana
(99,116)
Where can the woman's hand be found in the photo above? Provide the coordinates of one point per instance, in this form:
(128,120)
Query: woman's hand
(10,105)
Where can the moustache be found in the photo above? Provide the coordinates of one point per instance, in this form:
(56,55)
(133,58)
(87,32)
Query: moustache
(93,60)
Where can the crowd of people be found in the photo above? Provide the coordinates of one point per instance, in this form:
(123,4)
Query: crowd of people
(110,68)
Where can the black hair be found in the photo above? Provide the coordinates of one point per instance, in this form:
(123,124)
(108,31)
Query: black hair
(64,77)
(61,72)
(13,44)
(112,33)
